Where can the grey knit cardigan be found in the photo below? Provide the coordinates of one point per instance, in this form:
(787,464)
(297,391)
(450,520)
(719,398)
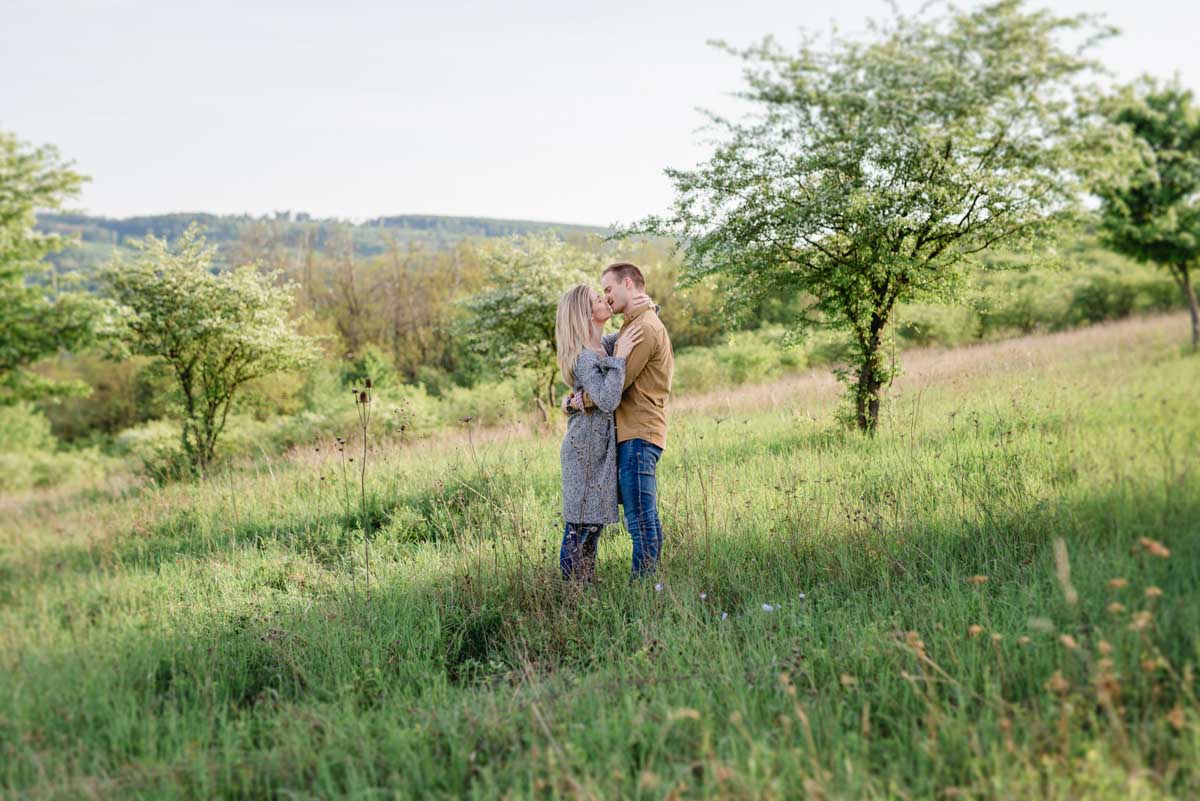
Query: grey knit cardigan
(589,450)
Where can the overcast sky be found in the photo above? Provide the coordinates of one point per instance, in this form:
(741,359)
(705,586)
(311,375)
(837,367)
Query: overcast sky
(562,111)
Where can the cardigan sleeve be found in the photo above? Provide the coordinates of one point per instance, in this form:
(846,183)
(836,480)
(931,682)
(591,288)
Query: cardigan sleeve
(602,378)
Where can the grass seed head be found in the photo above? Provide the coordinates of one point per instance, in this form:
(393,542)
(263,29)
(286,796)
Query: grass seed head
(1115,608)
(1117,583)
(1153,592)
(1068,641)
(974,630)
(977,580)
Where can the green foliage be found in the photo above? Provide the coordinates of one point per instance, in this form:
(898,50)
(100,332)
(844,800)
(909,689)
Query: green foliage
(511,322)
(214,332)
(38,321)
(1153,214)
(877,170)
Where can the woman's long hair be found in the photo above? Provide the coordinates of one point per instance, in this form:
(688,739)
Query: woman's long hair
(573,328)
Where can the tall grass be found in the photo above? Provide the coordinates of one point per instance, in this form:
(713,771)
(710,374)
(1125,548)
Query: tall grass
(838,617)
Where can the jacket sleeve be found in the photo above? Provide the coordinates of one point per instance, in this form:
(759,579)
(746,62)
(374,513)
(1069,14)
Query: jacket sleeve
(638,358)
(602,381)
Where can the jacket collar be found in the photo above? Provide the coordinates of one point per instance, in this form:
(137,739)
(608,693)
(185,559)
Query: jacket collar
(629,317)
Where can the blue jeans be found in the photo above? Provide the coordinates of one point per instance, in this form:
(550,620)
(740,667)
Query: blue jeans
(577,556)
(637,462)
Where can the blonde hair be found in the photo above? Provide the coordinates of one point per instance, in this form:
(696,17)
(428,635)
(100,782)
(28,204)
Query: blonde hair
(573,328)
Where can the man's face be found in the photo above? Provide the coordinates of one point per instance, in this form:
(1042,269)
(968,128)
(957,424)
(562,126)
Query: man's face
(616,292)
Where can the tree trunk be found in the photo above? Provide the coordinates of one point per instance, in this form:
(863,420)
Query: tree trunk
(868,387)
(1189,292)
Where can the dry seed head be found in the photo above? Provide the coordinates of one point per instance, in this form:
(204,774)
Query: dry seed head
(1141,620)
(1176,718)
(1153,592)
(1023,640)
(1068,641)
(367,383)
(974,630)
(977,580)
(997,637)
(1115,608)
(1150,665)
(847,680)
(1058,684)
(1117,583)
(1154,547)
(1105,648)
(362,397)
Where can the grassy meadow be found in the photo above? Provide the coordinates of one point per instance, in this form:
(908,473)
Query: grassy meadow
(996,597)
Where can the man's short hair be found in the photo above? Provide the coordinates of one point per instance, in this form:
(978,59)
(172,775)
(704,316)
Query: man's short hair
(623,270)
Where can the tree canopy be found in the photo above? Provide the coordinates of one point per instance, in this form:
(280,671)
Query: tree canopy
(1152,212)
(874,172)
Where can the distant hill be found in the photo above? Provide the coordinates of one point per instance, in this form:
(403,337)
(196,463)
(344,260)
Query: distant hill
(99,237)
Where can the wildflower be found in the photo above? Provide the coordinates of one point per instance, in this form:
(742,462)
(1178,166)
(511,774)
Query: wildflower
(1068,641)
(1117,583)
(704,596)
(800,596)
(724,615)
(974,630)
(997,637)
(768,608)
(1105,648)
(658,588)
(1115,608)
(977,580)
(847,680)
(1023,640)
(1153,592)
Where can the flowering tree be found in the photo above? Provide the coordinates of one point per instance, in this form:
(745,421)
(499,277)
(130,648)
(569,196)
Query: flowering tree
(213,331)
(37,320)
(511,322)
(877,170)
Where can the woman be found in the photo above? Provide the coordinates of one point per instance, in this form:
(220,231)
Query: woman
(589,450)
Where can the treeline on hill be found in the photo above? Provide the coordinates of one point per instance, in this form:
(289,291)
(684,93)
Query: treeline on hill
(238,237)
(401,317)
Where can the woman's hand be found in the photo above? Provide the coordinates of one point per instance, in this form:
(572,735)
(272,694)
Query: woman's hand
(642,301)
(628,341)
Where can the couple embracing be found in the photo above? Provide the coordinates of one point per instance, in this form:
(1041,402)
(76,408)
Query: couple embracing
(617,421)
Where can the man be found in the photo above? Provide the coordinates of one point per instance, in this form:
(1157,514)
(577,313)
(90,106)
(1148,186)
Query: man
(641,417)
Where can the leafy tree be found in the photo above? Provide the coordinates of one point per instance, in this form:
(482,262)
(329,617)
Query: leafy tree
(511,322)
(877,170)
(38,320)
(1153,215)
(213,331)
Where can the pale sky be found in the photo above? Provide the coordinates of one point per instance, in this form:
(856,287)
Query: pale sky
(560,111)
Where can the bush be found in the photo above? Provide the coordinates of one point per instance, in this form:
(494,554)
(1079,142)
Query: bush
(923,324)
